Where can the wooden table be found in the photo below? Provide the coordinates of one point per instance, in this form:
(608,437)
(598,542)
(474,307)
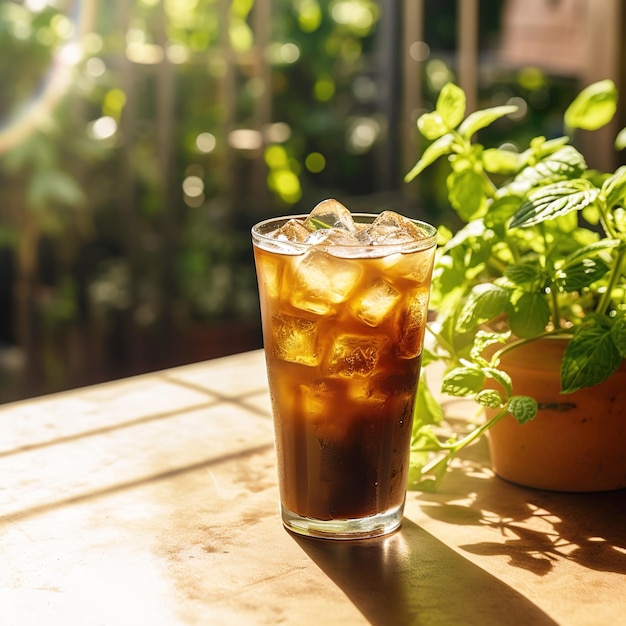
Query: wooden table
(153,501)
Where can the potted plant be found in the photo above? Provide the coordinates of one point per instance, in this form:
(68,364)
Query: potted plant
(536,273)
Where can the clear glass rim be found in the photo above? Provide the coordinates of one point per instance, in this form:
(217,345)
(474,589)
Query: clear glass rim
(261,230)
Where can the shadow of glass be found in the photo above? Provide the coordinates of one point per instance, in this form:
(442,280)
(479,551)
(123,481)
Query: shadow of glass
(410,577)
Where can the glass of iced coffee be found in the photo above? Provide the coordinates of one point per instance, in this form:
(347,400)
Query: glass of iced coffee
(344,300)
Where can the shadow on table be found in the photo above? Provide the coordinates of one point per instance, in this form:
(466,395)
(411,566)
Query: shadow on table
(411,577)
(535,528)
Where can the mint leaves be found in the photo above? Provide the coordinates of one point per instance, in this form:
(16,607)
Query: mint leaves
(594,106)
(431,456)
(542,252)
(553,200)
(592,354)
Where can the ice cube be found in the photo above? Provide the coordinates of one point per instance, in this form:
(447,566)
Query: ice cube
(330,214)
(412,325)
(391,228)
(376,303)
(318,399)
(338,242)
(295,340)
(355,355)
(321,281)
(379,390)
(293,231)
(416,267)
(313,398)
(319,402)
(333,237)
(270,271)
(367,391)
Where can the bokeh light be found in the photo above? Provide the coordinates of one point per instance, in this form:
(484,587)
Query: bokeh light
(309,15)
(315,162)
(324,88)
(419,51)
(245,139)
(103,128)
(95,67)
(284,53)
(193,186)
(358,15)
(362,134)
(206,142)
(438,74)
(522,108)
(278,132)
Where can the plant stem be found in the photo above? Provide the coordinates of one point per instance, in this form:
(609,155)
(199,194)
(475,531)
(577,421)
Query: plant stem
(616,272)
(453,448)
(556,314)
(476,433)
(441,340)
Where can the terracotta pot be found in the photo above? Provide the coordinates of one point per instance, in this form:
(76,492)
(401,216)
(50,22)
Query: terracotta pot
(577,442)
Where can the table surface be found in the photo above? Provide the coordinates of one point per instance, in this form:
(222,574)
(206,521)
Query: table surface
(153,500)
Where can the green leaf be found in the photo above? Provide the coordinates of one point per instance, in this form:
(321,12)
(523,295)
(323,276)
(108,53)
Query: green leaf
(590,250)
(463,381)
(431,125)
(489,398)
(483,339)
(317,224)
(565,224)
(424,475)
(523,274)
(466,193)
(474,229)
(501,210)
(501,377)
(614,187)
(530,315)
(590,357)
(481,119)
(618,334)
(428,356)
(593,107)
(564,163)
(451,105)
(427,409)
(619,217)
(579,275)
(522,408)
(448,279)
(553,200)
(424,439)
(502,162)
(592,214)
(484,302)
(436,149)
(540,147)
(620,140)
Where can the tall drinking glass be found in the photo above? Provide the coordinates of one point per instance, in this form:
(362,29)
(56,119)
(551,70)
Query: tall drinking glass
(344,301)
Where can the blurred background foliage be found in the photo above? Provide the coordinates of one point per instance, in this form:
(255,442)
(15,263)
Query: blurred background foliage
(140,140)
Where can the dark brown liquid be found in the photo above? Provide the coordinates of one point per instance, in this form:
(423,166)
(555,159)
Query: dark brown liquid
(353,463)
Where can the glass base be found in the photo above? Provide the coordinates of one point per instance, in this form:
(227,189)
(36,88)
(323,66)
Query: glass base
(358,528)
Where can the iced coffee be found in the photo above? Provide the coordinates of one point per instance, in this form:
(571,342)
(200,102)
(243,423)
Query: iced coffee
(344,300)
